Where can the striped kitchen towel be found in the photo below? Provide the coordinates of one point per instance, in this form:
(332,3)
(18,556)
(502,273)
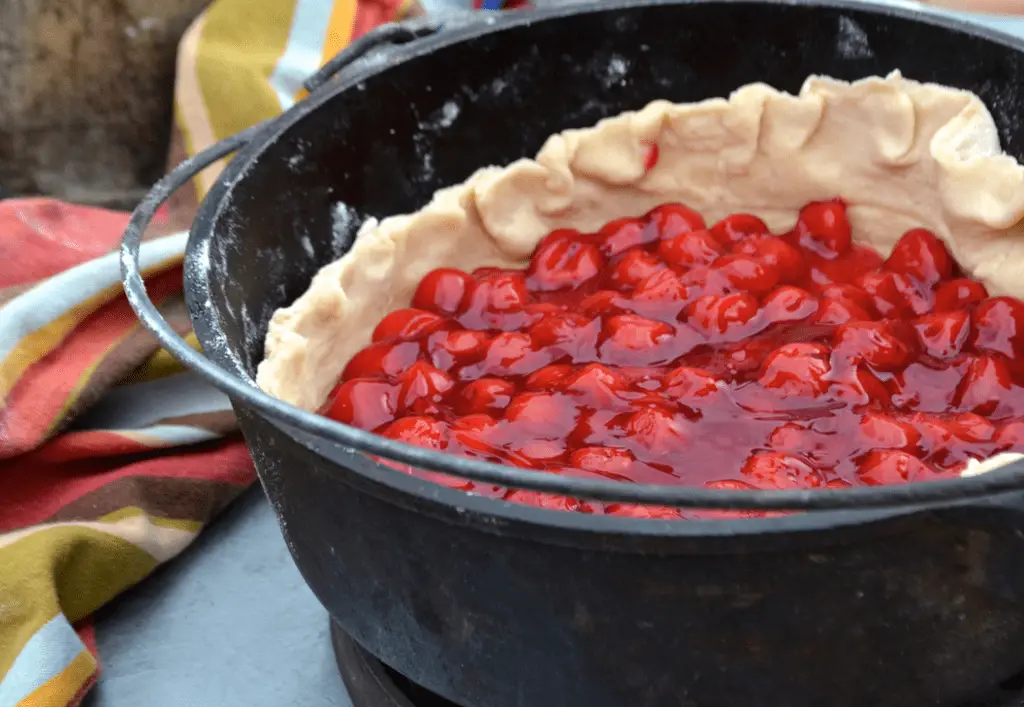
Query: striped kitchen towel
(243,61)
(112,458)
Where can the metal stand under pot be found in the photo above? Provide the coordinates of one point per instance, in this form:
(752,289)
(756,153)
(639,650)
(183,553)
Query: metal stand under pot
(370,683)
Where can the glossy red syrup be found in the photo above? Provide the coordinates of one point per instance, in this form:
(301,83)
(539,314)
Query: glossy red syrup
(663,350)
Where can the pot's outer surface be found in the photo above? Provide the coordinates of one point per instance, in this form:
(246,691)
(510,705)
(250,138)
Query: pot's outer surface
(493,606)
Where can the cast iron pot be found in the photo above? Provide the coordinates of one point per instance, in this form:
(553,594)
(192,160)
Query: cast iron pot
(900,596)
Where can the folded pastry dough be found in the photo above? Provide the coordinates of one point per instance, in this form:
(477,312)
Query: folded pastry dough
(902,154)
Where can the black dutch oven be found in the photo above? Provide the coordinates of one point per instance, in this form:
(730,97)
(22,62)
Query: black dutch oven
(907,595)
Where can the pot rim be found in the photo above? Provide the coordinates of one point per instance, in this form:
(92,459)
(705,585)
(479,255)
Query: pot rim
(227,373)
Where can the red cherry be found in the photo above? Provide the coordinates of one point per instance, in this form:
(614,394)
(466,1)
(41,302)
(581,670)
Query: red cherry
(607,461)
(512,353)
(943,335)
(549,415)
(845,291)
(999,327)
(548,501)
(562,329)
(539,310)
(499,292)
(476,434)
(671,220)
(890,466)
(847,267)
(790,437)
(443,291)
(797,370)
(651,157)
(598,386)
(958,294)
(859,386)
(833,312)
(771,470)
(452,482)
(631,270)
(729,485)
(922,256)
(419,431)
(891,293)
(406,324)
(457,348)
(602,302)
(984,387)
(621,235)
(971,427)
(789,304)
(642,377)
(881,431)
(823,228)
(422,387)
(747,355)
(537,453)
(739,227)
(485,395)
(921,300)
(689,249)
(1010,435)
(632,510)
(691,386)
(741,359)
(878,344)
(838,484)
(746,274)
(596,428)
(657,432)
(661,295)
(775,252)
(721,315)
(861,260)
(509,347)
(703,280)
(563,259)
(798,438)
(384,359)
(927,385)
(549,378)
(367,404)
(936,434)
(634,333)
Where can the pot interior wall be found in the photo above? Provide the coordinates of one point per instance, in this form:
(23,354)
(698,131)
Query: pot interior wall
(384,146)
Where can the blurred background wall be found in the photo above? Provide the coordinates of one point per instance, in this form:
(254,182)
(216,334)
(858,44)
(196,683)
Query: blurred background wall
(85,95)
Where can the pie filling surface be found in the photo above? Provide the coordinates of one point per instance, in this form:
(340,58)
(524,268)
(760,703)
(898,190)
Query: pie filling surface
(665,350)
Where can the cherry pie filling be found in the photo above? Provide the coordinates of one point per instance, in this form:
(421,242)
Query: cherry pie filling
(663,350)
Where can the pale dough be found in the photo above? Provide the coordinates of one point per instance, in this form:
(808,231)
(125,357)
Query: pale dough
(901,153)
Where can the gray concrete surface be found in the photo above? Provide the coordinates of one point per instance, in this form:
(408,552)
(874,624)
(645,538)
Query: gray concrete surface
(228,623)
